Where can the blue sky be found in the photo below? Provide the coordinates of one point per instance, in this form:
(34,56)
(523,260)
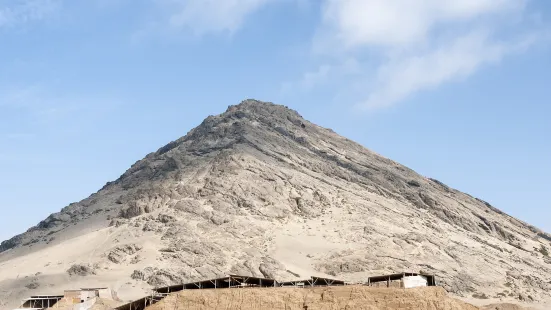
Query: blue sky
(456,90)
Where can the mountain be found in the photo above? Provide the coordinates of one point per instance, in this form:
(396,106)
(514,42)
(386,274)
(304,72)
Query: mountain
(258,190)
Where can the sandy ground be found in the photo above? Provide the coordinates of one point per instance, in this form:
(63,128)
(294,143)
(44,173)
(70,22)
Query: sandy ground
(506,304)
(48,268)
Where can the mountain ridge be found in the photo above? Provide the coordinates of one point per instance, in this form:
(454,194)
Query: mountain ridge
(259,190)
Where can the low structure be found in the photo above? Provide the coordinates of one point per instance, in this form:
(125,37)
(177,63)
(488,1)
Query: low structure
(402,280)
(40,301)
(236,281)
(143,303)
(313,281)
(82,295)
(405,280)
(230,281)
(81,299)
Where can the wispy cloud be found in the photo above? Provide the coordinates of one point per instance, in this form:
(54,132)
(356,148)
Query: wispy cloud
(461,57)
(210,16)
(418,44)
(44,105)
(16,13)
(173,18)
(325,73)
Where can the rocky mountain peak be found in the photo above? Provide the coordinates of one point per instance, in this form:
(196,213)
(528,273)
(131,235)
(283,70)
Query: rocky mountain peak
(246,118)
(261,108)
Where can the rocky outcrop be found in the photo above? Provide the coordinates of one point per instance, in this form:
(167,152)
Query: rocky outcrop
(11,243)
(121,253)
(160,277)
(82,270)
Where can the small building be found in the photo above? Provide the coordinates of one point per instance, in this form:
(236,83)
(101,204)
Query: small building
(81,299)
(402,280)
(81,295)
(72,297)
(94,292)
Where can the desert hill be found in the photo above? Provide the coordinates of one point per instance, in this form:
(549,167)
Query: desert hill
(259,190)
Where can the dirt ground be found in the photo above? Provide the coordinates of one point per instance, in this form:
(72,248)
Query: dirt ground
(503,307)
(508,304)
(329,298)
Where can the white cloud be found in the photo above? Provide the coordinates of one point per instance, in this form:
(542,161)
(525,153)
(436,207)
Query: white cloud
(457,59)
(204,16)
(397,23)
(420,44)
(26,11)
(323,74)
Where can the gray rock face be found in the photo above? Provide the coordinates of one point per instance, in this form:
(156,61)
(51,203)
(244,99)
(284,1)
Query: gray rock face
(258,190)
(121,253)
(82,270)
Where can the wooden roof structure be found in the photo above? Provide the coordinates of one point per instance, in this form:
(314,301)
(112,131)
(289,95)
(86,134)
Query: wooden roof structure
(313,281)
(431,279)
(41,301)
(230,281)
